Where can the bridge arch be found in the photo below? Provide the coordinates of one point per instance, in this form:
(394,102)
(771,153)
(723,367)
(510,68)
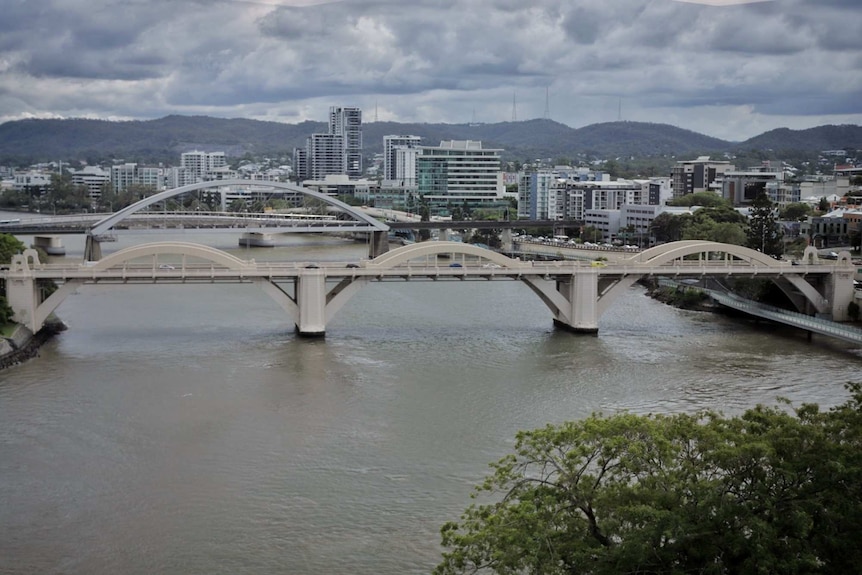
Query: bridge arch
(203,252)
(666,253)
(102,226)
(670,252)
(406,253)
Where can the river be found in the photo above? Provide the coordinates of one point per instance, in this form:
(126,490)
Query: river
(187,429)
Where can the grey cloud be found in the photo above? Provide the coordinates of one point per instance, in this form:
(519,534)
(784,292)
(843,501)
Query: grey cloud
(427,57)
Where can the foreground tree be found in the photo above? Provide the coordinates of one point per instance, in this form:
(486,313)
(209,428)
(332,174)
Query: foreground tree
(770,491)
(9,246)
(764,233)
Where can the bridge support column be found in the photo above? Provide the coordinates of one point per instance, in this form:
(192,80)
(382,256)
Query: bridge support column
(841,293)
(581,293)
(22,293)
(379,244)
(52,245)
(256,240)
(92,249)
(311,303)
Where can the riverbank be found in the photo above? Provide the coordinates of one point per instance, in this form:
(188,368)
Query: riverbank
(680,297)
(24,344)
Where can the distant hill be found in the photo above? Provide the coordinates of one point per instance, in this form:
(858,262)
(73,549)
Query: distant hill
(819,138)
(162,140)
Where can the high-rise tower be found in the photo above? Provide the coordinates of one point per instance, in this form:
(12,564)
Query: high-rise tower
(347,123)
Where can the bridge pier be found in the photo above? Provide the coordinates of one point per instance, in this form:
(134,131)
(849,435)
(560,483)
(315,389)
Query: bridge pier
(311,303)
(22,294)
(92,249)
(841,293)
(52,245)
(256,240)
(581,292)
(379,243)
(573,300)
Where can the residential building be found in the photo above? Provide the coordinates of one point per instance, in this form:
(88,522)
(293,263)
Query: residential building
(692,176)
(347,123)
(399,158)
(325,155)
(200,164)
(534,193)
(300,164)
(338,151)
(131,174)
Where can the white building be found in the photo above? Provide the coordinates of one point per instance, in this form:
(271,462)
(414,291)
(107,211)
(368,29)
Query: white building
(33,183)
(399,158)
(131,174)
(459,171)
(201,163)
(535,196)
(94,179)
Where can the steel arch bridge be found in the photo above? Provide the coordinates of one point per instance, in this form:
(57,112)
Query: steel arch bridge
(360,222)
(576,293)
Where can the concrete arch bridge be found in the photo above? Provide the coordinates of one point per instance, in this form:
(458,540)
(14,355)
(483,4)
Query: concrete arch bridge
(576,293)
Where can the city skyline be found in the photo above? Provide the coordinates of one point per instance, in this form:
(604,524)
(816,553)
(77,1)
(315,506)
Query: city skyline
(728,69)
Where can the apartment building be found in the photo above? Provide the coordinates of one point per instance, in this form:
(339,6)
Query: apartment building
(131,174)
(325,155)
(536,200)
(347,123)
(200,164)
(339,151)
(399,158)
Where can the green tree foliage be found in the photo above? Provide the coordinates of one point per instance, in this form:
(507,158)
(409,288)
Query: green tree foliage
(591,234)
(771,491)
(764,233)
(705,199)
(9,246)
(667,227)
(797,211)
(717,224)
(6,313)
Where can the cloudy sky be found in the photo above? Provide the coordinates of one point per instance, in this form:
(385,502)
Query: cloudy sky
(727,68)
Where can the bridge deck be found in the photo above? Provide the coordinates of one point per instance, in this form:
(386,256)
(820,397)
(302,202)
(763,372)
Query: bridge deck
(462,269)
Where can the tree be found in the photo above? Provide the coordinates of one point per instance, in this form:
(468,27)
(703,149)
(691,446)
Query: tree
(9,246)
(797,211)
(705,199)
(591,234)
(764,234)
(823,206)
(667,227)
(770,491)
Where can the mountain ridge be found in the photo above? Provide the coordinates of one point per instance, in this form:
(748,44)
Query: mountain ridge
(163,139)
